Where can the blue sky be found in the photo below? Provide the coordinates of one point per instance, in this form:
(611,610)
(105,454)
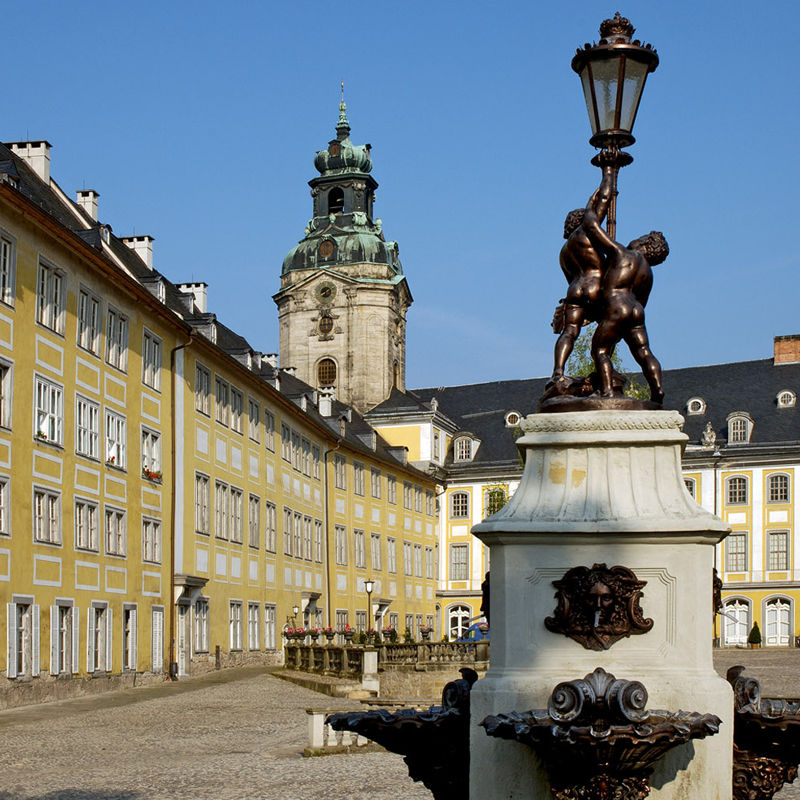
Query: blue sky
(198,123)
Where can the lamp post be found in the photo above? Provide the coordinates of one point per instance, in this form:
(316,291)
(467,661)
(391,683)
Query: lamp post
(295,612)
(369,585)
(613,73)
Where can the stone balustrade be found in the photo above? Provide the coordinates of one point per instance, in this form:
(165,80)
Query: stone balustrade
(322,739)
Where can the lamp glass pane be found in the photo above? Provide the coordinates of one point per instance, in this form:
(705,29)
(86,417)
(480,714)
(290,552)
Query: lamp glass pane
(587,96)
(606,74)
(635,74)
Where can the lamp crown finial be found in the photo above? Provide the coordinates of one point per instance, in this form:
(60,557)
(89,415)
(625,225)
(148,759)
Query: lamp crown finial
(619,26)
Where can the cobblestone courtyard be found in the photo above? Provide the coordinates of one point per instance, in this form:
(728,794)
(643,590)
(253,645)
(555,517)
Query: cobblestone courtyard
(229,735)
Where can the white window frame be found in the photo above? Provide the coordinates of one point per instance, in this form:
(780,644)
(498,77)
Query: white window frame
(22,628)
(48,417)
(222,393)
(151,540)
(151,454)
(130,637)
(429,562)
(391,554)
(318,542)
(288,525)
(254,521)
(777,495)
(235,624)
(391,489)
(87,427)
(358,479)
(63,638)
(738,480)
(6,393)
(115,526)
(459,562)
(99,637)
(87,525)
(308,542)
(236,518)
(736,558)
(90,321)
(340,544)
(340,472)
(221,510)
(463,449)
(8,267)
(459,505)
(253,626)
(202,389)
(47,521)
(778,557)
(408,559)
(270,527)
(202,503)
(116,442)
(237,409)
(201,625)
(253,419)
(375,551)
(270,626)
(359,549)
(50,296)
(269,430)
(151,360)
(5,505)
(116,339)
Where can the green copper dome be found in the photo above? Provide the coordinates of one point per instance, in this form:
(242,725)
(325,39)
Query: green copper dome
(342,156)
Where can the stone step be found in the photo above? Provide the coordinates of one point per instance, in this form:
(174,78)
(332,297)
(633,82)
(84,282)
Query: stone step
(326,684)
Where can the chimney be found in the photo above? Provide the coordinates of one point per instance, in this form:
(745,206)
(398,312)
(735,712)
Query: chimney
(143,247)
(199,292)
(289,370)
(326,402)
(37,154)
(270,359)
(87,200)
(787,349)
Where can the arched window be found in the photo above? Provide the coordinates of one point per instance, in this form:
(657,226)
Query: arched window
(740,428)
(777,622)
(494,499)
(737,491)
(735,622)
(463,449)
(335,200)
(778,488)
(459,505)
(326,372)
(691,486)
(458,620)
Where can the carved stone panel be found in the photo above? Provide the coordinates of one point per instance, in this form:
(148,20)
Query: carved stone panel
(598,606)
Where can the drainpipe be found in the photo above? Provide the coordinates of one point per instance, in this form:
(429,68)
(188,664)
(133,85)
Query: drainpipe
(327,452)
(717,458)
(173,357)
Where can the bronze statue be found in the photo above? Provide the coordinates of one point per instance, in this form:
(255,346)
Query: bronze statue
(608,284)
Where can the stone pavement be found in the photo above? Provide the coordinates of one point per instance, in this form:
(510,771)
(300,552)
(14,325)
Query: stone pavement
(230,735)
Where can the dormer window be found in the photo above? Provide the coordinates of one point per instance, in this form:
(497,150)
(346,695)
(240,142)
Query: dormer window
(786,399)
(740,427)
(463,449)
(512,419)
(696,405)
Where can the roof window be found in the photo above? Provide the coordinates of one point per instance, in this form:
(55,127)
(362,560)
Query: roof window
(740,427)
(695,405)
(786,399)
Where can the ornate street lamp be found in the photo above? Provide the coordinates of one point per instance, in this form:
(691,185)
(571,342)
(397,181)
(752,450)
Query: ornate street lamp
(295,612)
(369,585)
(613,73)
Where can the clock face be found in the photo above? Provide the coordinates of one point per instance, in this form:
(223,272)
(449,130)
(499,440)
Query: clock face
(326,292)
(326,249)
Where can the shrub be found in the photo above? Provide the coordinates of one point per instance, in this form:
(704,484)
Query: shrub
(755,635)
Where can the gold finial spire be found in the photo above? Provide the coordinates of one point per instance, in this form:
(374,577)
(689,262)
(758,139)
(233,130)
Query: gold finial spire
(343,126)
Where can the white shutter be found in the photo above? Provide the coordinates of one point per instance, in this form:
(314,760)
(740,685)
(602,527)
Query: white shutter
(76,639)
(55,638)
(109,639)
(35,642)
(90,617)
(134,640)
(157,647)
(11,641)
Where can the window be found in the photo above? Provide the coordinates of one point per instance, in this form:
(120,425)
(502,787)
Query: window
(270,528)
(735,622)
(87,422)
(408,495)
(306,457)
(254,521)
(458,620)
(358,478)
(151,540)
(115,532)
(695,405)
(8,267)
(307,539)
(151,360)
(116,339)
(116,435)
(361,620)
(49,412)
(691,486)
(459,505)
(253,626)
(493,500)
(50,297)
(235,624)
(253,418)
(202,389)
(237,407)
(6,393)
(391,554)
(287,530)
(778,621)
(151,454)
(86,524)
(88,321)
(408,559)
(778,489)
(326,372)
(221,510)
(221,393)
(375,551)
(236,512)
(63,641)
(269,430)
(736,552)
(5,506)
(512,419)
(335,200)
(286,443)
(375,482)
(23,638)
(298,535)
(339,472)
(201,623)
(391,489)
(318,551)
(269,626)
(359,549)
(129,636)
(201,503)
(459,562)
(340,544)
(463,449)
(429,562)
(778,550)
(740,427)
(315,458)
(98,636)
(157,639)
(418,499)
(418,560)
(437,447)
(737,491)
(46,516)
(786,399)
(297,455)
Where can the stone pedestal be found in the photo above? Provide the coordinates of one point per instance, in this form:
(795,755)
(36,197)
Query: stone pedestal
(602,487)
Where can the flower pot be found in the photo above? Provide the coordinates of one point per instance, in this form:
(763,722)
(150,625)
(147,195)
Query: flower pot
(329,637)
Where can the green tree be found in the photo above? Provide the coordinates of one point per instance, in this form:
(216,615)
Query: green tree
(580,365)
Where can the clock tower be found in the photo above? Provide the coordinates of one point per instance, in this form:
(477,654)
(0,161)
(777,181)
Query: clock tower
(343,298)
